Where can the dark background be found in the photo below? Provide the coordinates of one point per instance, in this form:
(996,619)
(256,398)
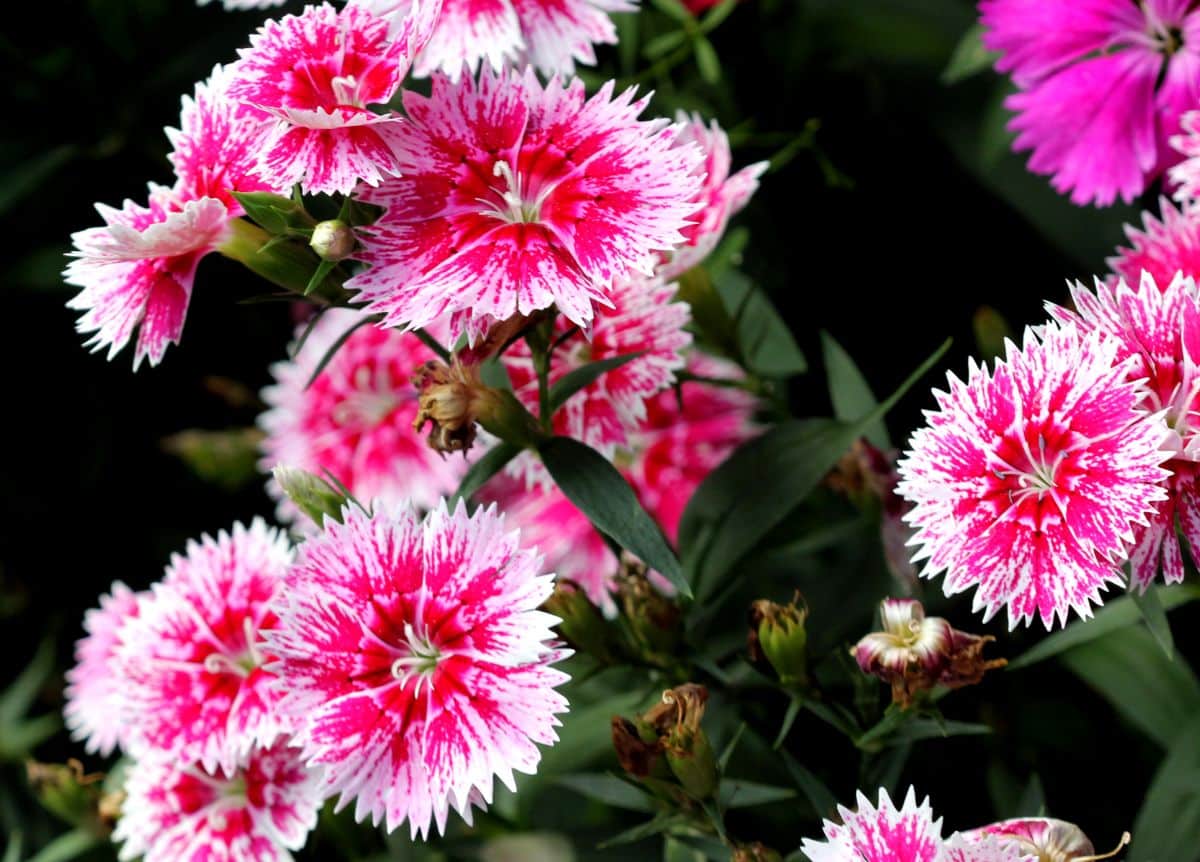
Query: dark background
(905,216)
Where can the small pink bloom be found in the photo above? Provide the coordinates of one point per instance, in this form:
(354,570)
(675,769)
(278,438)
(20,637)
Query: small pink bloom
(1158,336)
(986,849)
(515,196)
(721,198)
(137,271)
(1040,839)
(196,688)
(1030,482)
(256,811)
(416,661)
(883,834)
(1161,248)
(356,419)
(95,687)
(316,73)
(1103,84)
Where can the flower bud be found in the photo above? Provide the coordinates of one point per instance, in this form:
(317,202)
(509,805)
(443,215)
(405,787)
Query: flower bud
(676,720)
(755,852)
(65,791)
(333,240)
(653,618)
(1044,839)
(580,622)
(778,636)
(452,399)
(312,495)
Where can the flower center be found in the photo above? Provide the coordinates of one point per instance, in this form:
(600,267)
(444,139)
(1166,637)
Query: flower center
(422,659)
(1037,476)
(372,400)
(514,205)
(237,662)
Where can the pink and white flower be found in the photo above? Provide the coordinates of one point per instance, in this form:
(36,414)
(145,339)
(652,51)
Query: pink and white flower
(95,687)
(1030,482)
(1162,247)
(256,811)
(241,5)
(1158,333)
(959,848)
(1102,86)
(1041,839)
(721,198)
(316,74)
(417,663)
(137,271)
(193,660)
(880,834)
(356,418)
(515,196)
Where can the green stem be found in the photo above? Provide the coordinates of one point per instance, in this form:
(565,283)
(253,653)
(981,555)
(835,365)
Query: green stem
(283,263)
(541,363)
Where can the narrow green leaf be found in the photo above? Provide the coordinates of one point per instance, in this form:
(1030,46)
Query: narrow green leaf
(723,760)
(716,15)
(674,9)
(823,802)
(709,313)
(12,853)
(737,793)
(577,378)
(16,700)
(69,846)
(764,340)
(586,735)
(1167,828)
(1033,799)
(969,57)
(1155,615)
(663,43)
(607,789)
(849,391)
(707,60)
(928,728)
(1115,615)
(643,830)
(323,269)
(789,718)
(491,463)
(596,488)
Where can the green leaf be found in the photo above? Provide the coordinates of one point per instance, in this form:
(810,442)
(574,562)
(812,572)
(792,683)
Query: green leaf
(969,57)
(12,853)
(1155,615)
(30,175)
(69,846)
(663,43)
(789,718)
(323,269)
(716,15)
(1129,670)
(723,760)
(765,342)
(596,488)
(607,789)
(16,700)
(492,462)
(738,793)
(586,735)
(743,499)
(708,311)
(674,9)
(577,378)
(849,391)
(275,214)
(929,728)
(1167,828)
(1114,616)
(707,60)
(823,802)
(643,830)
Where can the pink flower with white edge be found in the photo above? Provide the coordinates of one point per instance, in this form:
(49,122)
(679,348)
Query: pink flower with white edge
(193,659)
(1102,86)
(356,418)
(137,271)
(721,198)
(417,665)
(256,811)
(1158,333)
(1186,174)
(1041,839)
(95,687)
(316,74)
(515,196)
(642,320)
(908,638)
(960,848)
(1162,247)
(880,834)
(1031,481)
(552,35)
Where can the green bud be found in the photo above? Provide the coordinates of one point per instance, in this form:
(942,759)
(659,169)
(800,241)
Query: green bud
(64,790)
(653,619)
(581,624)
(777,633)
(674,725)
(312,495)
(333,240)
(285,262)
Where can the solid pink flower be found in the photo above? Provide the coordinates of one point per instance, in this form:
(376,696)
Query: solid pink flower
(1030,482)
(1163,247)
(722,196)
(95,688)
(256,811)
(643,319)
(1103,84)
(137,271)
(416,661)
(193,659)
(515,196)
(880,834)
(1158,332)
(356,418)
(316,74)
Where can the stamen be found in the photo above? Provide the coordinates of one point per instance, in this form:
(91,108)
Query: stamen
(220,663)
(345,90)
(1125,839)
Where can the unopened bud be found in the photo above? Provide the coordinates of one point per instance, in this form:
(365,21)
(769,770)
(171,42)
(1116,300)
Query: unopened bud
(65,790)
(452,399)
(778,635)
(580,623)
(676,720)
(333,240)
(654,619)
(756,852)
(312,495)
(1044,839)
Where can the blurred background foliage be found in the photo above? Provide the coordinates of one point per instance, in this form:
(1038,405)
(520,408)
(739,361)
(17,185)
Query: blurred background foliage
(893,216)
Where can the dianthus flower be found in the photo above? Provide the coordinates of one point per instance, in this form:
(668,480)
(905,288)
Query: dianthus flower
(193,659)
(256,811)
(551,36)
(515,196)
(95,688)
(356,418)
(1158,332)
(721,198)
(1102,85)
(1042,839)
(240,5)
(416,661)
(1031,481)
(1162,247)
(316,74)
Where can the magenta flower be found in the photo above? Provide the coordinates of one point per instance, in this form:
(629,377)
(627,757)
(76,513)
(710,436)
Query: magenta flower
(515,196)
(137,271)
(721,198)
(1102,85)
(95,686)
(883,834)
(196,688)
(416,662)
(256,811)
(1041,838)
(1161,248)
(1158,333)
(316,74)
(356,419)
(1030,482)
